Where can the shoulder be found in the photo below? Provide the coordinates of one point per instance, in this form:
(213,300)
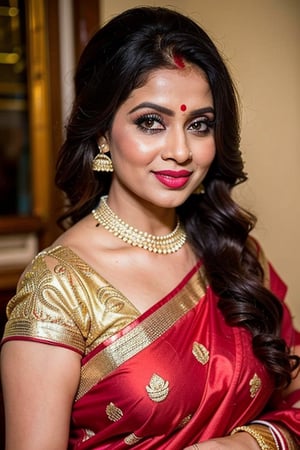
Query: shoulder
(49,266)
(49,304)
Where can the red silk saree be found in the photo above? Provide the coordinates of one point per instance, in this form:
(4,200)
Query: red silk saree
(165,379)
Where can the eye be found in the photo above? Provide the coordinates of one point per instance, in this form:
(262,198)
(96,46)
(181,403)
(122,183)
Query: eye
(202,125)
(150,123)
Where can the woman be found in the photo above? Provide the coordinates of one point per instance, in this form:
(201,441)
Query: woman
(155,321)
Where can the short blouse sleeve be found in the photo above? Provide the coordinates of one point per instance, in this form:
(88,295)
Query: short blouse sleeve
(48,306)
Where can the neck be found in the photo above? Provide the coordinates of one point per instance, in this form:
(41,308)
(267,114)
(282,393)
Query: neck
(161,244)
(143,215)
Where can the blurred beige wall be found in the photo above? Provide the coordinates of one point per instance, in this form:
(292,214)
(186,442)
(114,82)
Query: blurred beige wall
(260,40)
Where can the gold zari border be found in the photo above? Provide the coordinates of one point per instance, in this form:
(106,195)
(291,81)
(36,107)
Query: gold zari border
(43,332)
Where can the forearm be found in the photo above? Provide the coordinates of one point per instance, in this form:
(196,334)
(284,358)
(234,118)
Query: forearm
(253,436)
(238,441)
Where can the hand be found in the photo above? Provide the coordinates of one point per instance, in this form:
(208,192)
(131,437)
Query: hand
(239,441)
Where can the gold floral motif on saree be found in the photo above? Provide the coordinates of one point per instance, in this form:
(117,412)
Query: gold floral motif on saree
(158,388)
(113,412)
(132,439)
(87,434)
(255,385)
(185,421)
(201,353)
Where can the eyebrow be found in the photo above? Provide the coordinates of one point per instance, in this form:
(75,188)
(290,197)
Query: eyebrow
(158,108)
(169,112)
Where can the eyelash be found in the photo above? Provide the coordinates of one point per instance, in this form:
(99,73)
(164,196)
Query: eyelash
(204,120)
(149,117)
(140,122)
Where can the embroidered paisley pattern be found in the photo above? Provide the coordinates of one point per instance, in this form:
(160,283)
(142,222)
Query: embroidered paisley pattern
(158,388)
(112,300)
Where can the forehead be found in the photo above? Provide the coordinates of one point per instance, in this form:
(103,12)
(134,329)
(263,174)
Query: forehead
(184,84)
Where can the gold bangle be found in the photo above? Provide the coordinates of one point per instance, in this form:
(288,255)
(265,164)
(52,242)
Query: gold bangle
(291,443)
(261,434)
(267,435)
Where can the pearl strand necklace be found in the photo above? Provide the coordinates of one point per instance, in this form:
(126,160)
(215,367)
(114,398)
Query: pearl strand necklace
(169,243)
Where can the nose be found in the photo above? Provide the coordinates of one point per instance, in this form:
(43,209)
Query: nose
(177,148)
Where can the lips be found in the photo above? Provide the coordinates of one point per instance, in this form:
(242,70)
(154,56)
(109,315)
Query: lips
(173,179)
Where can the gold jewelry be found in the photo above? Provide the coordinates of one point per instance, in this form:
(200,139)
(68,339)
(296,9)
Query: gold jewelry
(199,190)
(269,426)
(169,243)
(291,443)
(261,434)
(102,162)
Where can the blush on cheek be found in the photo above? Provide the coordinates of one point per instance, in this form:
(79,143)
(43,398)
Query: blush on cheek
(205,156)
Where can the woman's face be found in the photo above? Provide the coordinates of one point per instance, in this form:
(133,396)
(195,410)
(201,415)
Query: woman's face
(162,139)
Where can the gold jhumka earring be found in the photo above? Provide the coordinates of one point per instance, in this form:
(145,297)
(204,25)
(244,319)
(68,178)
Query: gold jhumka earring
(199,190)
(102,162)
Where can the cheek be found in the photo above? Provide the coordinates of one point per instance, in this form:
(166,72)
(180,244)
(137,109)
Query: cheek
(122,145)
(134,151)
(130,147)
(205,155)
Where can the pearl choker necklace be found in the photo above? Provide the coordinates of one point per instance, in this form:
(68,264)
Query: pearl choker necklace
(169,243)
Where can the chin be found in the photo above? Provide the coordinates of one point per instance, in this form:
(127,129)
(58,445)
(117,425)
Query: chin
(172,201)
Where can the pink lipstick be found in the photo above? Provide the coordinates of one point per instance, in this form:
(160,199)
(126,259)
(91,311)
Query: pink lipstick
(173,179)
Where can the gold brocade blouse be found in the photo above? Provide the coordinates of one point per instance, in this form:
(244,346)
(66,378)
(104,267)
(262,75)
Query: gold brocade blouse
(62,300)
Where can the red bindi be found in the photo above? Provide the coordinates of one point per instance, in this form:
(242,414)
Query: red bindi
(183,107)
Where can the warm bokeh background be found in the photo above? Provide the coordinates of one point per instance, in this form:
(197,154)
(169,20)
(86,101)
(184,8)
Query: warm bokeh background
(260,41)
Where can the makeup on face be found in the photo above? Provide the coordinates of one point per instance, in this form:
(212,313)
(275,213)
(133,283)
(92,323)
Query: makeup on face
(163,136)
(173,179)
(168,111)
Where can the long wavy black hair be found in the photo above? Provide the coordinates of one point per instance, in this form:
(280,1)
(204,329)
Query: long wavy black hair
(117,60)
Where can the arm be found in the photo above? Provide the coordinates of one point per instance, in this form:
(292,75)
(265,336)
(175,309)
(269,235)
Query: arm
(239,441)
(39,384)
